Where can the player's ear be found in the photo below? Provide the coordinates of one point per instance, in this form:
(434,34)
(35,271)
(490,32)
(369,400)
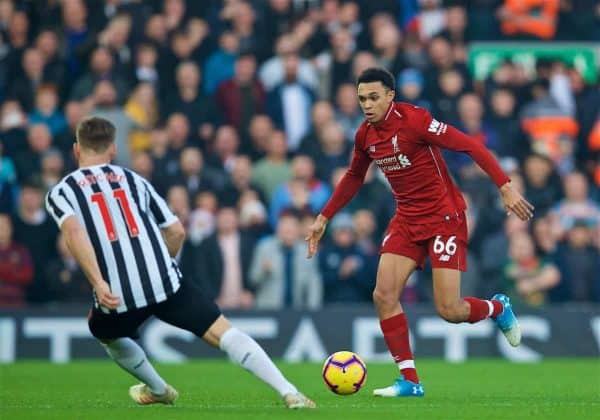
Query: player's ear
(76,151)
(112,151)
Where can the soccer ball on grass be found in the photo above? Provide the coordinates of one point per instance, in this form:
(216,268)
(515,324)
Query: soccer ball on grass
(344,373)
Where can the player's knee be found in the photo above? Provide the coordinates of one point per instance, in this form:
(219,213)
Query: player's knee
(449,311)
(383,298)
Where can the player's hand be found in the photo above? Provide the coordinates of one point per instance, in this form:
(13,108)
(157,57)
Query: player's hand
(105,297)
(515,203)
(315,232)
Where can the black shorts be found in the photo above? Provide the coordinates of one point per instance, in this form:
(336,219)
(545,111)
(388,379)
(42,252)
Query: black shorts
(188,308)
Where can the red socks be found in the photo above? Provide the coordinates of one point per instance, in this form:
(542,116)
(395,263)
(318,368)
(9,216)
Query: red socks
(482,309)
(395,333)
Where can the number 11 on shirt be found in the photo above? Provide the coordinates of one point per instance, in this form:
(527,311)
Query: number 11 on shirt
(119,195)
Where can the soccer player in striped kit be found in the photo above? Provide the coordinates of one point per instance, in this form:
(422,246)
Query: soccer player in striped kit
(404,141)
(125,238)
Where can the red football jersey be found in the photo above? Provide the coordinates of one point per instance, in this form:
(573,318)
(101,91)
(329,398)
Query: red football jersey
(406,147)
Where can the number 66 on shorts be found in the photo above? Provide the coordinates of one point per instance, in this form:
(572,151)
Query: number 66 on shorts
(444,242)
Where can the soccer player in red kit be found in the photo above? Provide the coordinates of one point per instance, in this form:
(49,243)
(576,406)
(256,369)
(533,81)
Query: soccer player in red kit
(405,141)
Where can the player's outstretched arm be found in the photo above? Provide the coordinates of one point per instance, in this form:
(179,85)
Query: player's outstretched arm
(515,203)
(80,246)
(315,233)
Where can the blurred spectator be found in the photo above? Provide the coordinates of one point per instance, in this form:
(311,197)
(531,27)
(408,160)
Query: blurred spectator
(115,37)
(226,258)
(259,133)
(194,174)
(46,110)
(335,150)
(225,149)
(254,218)
(52,168)
(441,59)
(494,254)
(504,122)
(321,114)
(431,19)
(8,183)
(387,40)
(102,69)
(289,104)
(348,275)
(542,183)
(25,84)
(16,267)
(303,172)
(107,106)
(145,66)
(28,162)
(220,64)
(66,281)
(280,273)
(576,206)
(240,181)
(471,122)
(536,18)
(451,87)
(142,109)
(17,34)
(13,123)
(410,88)
(48,44)
(242,96)
(270,171)
(348,112)
(34,229)
(190,101)
(74,112)
(141,163)
(78,37)
(551,129)
(335,65)
(580,266)
(273,71)
(528,276)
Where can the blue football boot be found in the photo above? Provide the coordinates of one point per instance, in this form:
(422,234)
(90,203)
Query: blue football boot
(507,321)
(401,388)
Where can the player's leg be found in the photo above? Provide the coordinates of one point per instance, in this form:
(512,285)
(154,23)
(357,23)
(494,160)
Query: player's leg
(453,308)
(448,253)
(113,331)
(246,352)
(191,310)
(392,274)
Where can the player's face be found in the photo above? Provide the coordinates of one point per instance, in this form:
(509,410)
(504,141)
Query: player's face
(374,99)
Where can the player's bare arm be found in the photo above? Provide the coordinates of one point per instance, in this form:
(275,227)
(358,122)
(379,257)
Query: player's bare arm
(515,203)
(173,235)
(80,246)
(315,233)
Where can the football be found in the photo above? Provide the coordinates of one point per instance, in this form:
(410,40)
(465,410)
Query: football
(344,373)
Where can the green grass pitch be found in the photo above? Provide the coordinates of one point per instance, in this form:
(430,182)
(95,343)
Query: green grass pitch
(214,389)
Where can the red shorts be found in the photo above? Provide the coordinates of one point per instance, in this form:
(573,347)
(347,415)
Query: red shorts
(445,242)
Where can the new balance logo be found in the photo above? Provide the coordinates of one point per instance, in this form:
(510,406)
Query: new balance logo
(372,148)
(437,127)
(395,144)
(445,257)
(403,160)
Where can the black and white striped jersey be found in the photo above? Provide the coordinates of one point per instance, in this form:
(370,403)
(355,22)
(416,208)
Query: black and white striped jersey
(123,215)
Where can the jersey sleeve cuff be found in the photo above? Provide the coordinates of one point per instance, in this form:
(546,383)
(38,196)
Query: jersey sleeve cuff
(170,220)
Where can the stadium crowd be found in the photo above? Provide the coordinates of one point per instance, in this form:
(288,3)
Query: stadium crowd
(243,112)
